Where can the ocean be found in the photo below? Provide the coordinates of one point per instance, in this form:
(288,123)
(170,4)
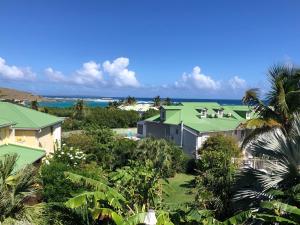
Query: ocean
(65,102)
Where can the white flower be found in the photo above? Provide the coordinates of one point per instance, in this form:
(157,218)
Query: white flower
(47,162)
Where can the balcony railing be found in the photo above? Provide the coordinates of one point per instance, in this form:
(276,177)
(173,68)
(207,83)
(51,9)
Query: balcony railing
(255,163)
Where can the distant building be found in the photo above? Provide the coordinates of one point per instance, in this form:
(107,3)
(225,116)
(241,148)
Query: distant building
(191,123)
(27,132)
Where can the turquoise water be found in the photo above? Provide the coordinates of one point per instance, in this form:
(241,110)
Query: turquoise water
(64,102)
(70,103)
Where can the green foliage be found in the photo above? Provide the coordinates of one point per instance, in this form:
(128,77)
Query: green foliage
(112,118)
(283,100)
(149,113)
(34,105)
(55,187)
(15,189)
(163,155)
(216,174)
(280,177)
(70,156)
(79,110)
(142,182)
(129,100)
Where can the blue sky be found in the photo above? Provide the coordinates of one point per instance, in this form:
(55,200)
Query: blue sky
(187,48)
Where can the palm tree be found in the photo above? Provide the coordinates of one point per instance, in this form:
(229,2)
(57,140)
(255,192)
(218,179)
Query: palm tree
(16,188)
(79,109)
(283,100)
(130,100)
(167,101)
(157,101)
(35,105)
(280,176)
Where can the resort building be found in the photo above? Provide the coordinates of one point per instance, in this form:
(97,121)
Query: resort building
(29,133)
(191,123)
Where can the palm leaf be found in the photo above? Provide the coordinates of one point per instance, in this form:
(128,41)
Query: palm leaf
(100,213)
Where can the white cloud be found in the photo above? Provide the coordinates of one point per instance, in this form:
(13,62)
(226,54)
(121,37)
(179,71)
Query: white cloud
(89,74)
(237,83)
(14,72)
(197,80)
(121,76)
(54,75)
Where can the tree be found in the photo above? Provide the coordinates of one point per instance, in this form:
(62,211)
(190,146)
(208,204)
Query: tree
(79,109)
(283,100)
(34,105)
(149,113)
(157,101)
(115,104)
(167,101)
(130,100)
(216,174)
(16,188)
(164,155)
(280,176)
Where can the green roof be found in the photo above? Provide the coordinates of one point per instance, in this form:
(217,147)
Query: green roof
(190,114)
(23,117)
(5,123)
(26,155)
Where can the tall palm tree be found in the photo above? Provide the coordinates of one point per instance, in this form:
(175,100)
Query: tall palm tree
(79,109)
(280,176)
(35,105)
(130,100)
(16,187)
(157,101)
(281,102)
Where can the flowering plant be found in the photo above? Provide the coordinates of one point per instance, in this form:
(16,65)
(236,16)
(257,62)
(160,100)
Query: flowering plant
(68,155)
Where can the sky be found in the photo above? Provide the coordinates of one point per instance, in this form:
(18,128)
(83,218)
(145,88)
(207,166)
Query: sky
(180,49)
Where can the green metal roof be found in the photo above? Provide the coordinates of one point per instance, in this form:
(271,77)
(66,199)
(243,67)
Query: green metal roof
(26,118)
(189,114)
(5,123)
(26,155)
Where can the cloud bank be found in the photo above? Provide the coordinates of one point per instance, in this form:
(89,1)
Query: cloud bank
(15,73)
(114,76)
(91,74)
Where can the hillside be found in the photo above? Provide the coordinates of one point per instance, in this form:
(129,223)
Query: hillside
(12,94)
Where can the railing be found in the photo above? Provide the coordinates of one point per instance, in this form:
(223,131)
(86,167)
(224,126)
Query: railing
(255,163)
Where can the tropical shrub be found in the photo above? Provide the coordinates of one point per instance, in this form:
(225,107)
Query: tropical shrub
(55,187)
(163,154)
(279,176)
(70,156)
(216,174)
(16,187)
(149,113)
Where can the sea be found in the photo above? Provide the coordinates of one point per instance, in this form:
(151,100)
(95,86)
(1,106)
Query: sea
(69,101)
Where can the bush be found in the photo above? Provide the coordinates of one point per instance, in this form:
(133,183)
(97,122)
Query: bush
(55,186)
(217,173)
(163,154)
(149,113)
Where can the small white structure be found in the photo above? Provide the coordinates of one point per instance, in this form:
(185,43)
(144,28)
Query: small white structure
(150,218)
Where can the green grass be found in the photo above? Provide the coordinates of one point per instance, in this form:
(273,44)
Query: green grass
(180,190)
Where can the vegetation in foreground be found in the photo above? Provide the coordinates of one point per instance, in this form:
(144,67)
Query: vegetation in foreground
(103,179)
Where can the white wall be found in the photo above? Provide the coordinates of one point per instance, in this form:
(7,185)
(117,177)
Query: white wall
(57,134)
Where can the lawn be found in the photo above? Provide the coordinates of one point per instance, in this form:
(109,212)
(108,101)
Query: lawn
(180,190)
